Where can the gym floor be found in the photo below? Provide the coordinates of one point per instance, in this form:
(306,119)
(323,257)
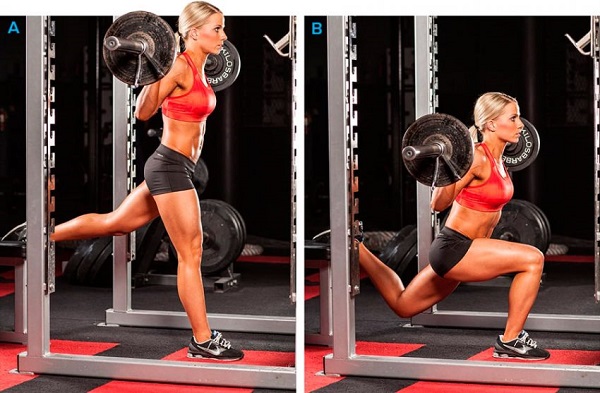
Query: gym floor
(77,311)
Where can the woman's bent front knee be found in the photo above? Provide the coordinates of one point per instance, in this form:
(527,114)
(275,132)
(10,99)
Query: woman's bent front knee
(535,260)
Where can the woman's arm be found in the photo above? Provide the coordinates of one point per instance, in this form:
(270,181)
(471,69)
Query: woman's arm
(152,96)
(442,197)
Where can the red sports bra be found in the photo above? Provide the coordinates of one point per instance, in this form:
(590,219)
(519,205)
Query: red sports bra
(490,196)
(196,104)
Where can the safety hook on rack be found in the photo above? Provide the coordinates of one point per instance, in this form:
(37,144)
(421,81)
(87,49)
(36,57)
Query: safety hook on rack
(584,41)
(279,45)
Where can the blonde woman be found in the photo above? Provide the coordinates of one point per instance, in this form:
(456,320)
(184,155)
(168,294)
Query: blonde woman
(463,250)
(187,99)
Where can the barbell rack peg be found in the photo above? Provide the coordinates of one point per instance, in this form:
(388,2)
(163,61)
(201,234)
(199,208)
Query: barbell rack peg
(584,41)
(279,45)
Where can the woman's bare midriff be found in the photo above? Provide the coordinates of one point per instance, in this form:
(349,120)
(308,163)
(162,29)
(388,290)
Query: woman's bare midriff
(185,137)
(472,223)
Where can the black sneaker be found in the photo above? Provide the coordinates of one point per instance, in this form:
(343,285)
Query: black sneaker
(216,348)
(522,347)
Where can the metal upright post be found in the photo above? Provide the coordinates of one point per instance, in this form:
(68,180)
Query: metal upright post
(343,314)
(595,53)
(123,165)
(425,103)
(39,286)
(297,269)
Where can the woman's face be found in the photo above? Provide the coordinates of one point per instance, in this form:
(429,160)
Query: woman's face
(211,35)
(508,125)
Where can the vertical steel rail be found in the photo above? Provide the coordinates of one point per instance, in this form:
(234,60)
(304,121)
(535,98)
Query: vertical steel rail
(352,147)
(297,56)
(340,181)
(343,183)
(595,53)
(426,85)
(123,183)
(294,163)
(39,182)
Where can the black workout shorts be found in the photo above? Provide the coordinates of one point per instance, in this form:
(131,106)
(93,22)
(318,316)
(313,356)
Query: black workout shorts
(168,171)
(447,249)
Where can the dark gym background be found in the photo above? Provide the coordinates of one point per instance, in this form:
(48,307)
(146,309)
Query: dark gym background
(248,140)
(526,57)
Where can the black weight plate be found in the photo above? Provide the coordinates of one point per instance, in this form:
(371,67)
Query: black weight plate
(398,246)
(238,226)
(96,249)
(148,239)
(520,223)
(221,244)
(409,266)
(520,155)
(100,272)
(243,227)
(161,46)
(543,242)
(200,178)
(223,69)
(546,226)
(450,132)
(240,219)
(232,213)
(81,252)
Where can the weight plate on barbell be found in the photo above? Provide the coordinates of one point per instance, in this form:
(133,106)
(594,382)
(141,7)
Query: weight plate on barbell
(223,69)
(160,41)
(520,155)
(457,157)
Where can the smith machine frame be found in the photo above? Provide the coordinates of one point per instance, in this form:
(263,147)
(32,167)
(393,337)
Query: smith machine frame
(41,262)
(344,360)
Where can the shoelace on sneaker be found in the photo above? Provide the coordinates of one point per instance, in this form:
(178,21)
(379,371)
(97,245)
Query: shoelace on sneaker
(218,338)
(524,337)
